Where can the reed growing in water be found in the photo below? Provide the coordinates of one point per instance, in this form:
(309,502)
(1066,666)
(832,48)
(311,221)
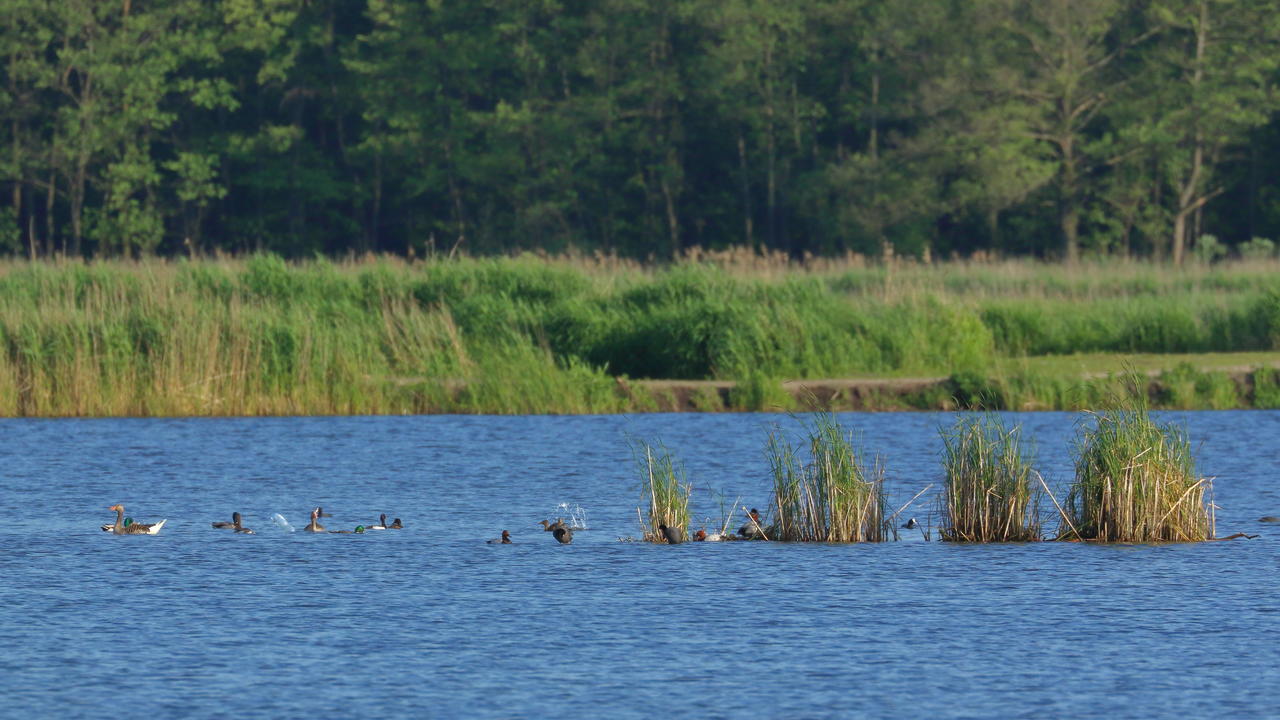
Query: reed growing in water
(1136,482)
(834,497)
(989,494)
(665,489)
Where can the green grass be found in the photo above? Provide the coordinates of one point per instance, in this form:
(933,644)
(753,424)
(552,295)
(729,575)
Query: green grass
(529,334)
(1095,364)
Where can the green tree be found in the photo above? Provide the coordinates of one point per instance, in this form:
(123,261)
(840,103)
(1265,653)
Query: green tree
(1217,63)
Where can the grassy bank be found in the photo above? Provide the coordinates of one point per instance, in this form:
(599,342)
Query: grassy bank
(528,334)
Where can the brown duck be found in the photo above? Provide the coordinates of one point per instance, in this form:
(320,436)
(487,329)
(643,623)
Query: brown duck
(314,525)
(233,525)
(119,528)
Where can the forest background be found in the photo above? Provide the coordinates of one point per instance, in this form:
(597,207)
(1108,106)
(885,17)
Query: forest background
(643,128)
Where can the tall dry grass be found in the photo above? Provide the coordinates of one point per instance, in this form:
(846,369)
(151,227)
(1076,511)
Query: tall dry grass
(830,495)
(1136,481)
(664,488)
(989,494)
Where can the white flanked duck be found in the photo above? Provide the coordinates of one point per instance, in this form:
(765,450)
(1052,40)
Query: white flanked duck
(380,525)
(119,528)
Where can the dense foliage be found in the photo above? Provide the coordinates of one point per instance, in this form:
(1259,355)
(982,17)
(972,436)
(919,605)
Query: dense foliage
(641,127)
(531,335)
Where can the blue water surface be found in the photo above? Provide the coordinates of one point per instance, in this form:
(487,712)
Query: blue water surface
(431,621)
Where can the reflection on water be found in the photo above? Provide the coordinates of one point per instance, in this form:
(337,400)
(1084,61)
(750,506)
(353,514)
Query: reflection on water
(431,621)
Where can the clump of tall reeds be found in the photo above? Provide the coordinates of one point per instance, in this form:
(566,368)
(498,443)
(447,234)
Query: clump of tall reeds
(665,489)
(1136,482)
(835,497)
(989,494)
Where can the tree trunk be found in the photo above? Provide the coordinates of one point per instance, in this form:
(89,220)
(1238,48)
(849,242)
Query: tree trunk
(49,199)
(1188,201)
(873,142)
(746,192)
(77,203)
(1068,207)
(375,215)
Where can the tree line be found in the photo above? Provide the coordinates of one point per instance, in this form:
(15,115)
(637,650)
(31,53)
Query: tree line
(1052,128)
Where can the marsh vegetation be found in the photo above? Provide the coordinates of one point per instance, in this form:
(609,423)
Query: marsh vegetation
(531,334)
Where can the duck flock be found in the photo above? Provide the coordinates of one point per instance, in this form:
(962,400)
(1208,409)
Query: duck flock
(561,531)
(126,525)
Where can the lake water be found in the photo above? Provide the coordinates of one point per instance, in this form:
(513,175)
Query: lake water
(432,622)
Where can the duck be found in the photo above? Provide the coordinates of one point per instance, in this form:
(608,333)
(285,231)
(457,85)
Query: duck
(314,525)
(563,534)
(752,527)
(233,525)
(382,524)
(673,535)
(910,524)
(553,526)
(120,528)
(504,540)
(358,531)
(703,536)
(1269,519)
(395,525)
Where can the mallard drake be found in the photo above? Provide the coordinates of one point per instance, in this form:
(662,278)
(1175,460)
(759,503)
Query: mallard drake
(120,528)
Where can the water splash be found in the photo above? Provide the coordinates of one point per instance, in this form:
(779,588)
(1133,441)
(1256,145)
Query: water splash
(575,515)
(280,522)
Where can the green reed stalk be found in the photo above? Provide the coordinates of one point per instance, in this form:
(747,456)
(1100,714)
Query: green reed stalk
(989,494)
(1136,482)
(665,489)
(835,497)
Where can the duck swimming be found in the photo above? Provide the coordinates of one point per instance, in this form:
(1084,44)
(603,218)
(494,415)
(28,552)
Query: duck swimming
(674,536)
(504,540)
(314,525)
(120,528)
(752,528)
(553,526)
(563,534)
(381,524)
(395,525)
(233,525)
